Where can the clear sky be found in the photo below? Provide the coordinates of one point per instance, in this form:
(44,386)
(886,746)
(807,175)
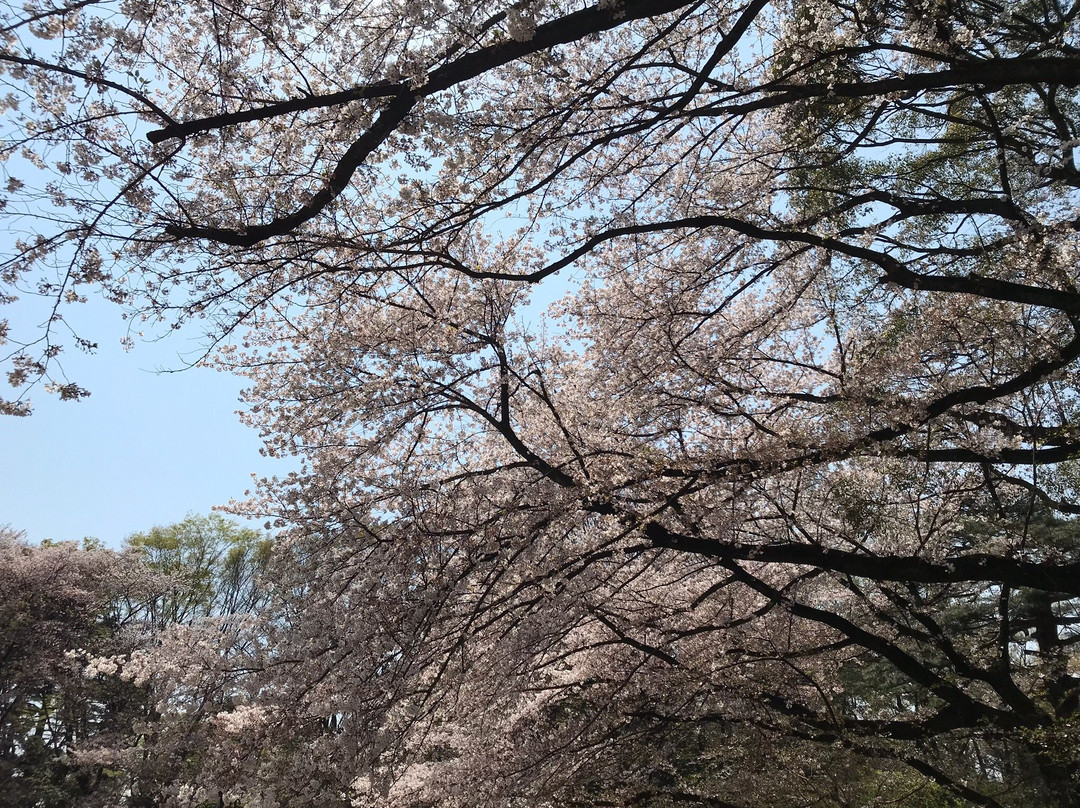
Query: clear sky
(145,448)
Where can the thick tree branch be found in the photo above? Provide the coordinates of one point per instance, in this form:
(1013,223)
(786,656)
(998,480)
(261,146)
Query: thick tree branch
(567,29)
(972,568)
(972,711)
(895,270)
(291,106)
(988,74)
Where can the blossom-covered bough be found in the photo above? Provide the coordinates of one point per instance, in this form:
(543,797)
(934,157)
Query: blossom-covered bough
(785,480)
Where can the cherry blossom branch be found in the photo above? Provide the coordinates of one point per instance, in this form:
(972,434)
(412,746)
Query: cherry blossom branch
(645,648)
(100,81)
(292,105)
(971,710)
(1056,504)
(562,31)
(895,270)
(960,789)
(971,568)
(988,74)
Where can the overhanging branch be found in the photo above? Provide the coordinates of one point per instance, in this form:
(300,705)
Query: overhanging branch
(971,568)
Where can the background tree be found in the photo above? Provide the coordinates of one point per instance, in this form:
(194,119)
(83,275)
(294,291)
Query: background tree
(69,613)
(799,414)
(214,565)
(59,604)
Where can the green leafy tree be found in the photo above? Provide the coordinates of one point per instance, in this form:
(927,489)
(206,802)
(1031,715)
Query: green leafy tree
(214,565)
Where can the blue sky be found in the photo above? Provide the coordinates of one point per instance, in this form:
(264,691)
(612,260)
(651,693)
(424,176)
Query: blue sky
(145,448)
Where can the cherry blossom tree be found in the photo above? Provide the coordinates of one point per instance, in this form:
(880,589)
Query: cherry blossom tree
(61,604)
(69,614)
(791,458)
